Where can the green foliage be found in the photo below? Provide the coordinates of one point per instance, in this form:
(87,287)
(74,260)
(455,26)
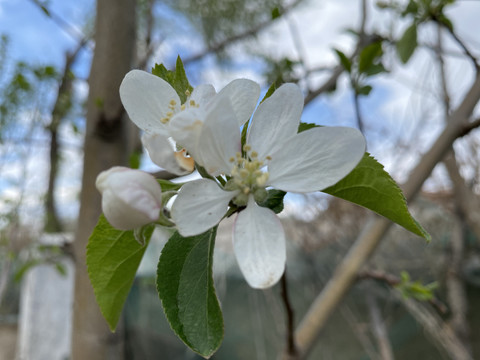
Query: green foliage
(276,13)
(274,200)
(177,78)
(368,63)
(370,186)
(305,126)
(364,90)
(415,289)
(135,159)
(369,55)
(218,20)
(169,186)
(185,286)
(280,70)
(113,257)
(407,43)
(420,11)
(344,60)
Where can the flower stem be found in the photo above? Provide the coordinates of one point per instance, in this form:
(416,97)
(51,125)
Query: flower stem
(291,349)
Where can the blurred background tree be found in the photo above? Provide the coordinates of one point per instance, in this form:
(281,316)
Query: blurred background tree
(416,43)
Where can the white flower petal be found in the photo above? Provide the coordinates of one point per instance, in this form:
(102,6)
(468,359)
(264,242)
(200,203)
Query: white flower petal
(199,206)
(130,198)
(243,95)
(276,120)
(162,153)
(316,159)
(219,140)
(259,245)
(186,126)
(146,98)
(202,94)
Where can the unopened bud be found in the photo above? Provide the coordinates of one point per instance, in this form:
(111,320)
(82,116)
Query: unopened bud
(130,198)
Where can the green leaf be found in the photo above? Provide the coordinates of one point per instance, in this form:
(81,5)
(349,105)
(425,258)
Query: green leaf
(415,289)
(375,69)
(305,126)
(370,186)
(185,286)
(364,90)
(368,55)
(344,60)
(169,186)
(274,200)
(177,79)
(275,13)
(113,257)
(135,159)
(407,43)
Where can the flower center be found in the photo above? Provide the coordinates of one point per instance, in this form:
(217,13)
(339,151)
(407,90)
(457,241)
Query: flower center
(172,108)
(248,177)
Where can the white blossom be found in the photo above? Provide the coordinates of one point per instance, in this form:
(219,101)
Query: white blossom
(275,156)
(130,198)
(153,105)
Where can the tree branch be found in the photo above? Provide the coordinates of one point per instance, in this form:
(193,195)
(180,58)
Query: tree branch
(467,52)
(291,349)
(378,328)
(248,33)
(346,272)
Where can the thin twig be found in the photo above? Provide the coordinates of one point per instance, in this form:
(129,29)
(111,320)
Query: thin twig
(291,347)
(62,23)
(393,281)
(215,48)
(460,43)
(358,114)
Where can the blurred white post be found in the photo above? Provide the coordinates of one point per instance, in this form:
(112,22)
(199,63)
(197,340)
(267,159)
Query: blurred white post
(45,321)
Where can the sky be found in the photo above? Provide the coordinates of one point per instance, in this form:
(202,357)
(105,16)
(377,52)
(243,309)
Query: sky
(403,98)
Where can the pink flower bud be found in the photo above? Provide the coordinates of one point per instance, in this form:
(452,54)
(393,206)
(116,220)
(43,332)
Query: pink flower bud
(130,198)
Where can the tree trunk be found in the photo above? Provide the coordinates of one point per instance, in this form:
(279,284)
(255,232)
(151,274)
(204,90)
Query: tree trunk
(106,145)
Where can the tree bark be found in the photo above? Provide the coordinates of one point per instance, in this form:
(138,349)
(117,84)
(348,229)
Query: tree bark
(106,145)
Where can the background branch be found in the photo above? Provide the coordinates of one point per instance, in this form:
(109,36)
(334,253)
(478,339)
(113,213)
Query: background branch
(346,272)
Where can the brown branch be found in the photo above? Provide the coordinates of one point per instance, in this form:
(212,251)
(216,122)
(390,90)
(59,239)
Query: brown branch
(364,246)
(378,328)
(467,52)
(291,349)
(329,85)
(436,329)
(59,112)
(455,284)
